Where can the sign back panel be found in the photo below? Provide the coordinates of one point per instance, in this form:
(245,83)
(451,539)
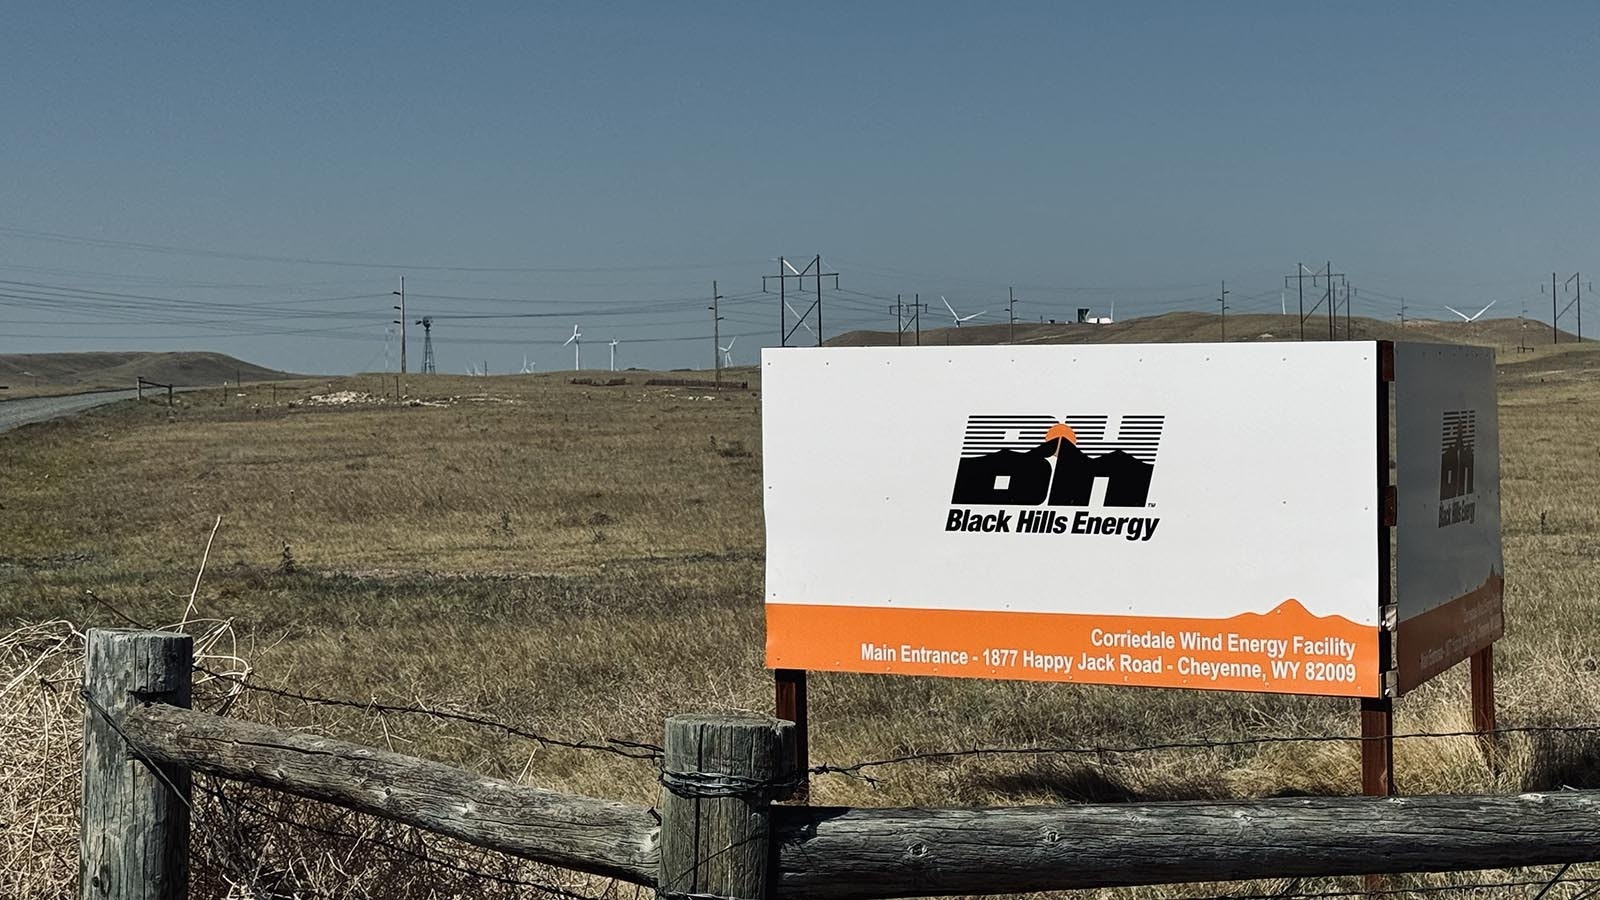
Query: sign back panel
(1449,575)
(1179,515)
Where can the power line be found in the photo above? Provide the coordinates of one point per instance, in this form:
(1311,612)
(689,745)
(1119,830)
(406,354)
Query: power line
(58,237)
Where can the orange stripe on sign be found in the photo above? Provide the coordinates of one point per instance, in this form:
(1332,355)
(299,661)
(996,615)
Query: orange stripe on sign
(1287,650)
(1432,642)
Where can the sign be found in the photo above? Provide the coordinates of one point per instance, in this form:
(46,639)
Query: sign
(1178,515)
(1449,575)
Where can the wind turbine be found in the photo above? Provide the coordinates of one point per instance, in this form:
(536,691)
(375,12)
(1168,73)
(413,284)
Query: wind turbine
(525,368)
(727,352)
(958,317)
(797,317)
(577,347)
(614,343)
(1474,316)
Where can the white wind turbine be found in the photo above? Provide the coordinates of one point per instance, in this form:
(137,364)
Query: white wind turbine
(803,323)
(614,343)
(577,347)
(1474,316)
(957,316)
(526,369)
(727,352)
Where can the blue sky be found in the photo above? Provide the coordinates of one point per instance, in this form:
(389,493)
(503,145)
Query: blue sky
(603,163)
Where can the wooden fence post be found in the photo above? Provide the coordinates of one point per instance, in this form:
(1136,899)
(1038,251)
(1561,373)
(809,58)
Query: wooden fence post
(134,837)
(719,777)
(1482,681)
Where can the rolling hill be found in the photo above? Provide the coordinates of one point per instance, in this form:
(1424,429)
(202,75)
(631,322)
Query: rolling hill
(71,372)
(1180,327)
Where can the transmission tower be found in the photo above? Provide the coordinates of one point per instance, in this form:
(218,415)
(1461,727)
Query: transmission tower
(427,344)
(786,271)
(908,315)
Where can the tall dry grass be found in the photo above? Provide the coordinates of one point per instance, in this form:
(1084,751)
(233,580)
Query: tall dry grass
(587,561)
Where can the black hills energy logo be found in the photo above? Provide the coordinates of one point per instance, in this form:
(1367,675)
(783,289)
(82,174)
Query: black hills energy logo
(1046,463)
(1457,443)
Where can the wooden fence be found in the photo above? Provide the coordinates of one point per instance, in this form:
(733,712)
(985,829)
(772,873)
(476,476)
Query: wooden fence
(144,382)
(717,832)
(705,383)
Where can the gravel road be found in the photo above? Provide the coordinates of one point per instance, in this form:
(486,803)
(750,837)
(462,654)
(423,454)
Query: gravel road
(16,413)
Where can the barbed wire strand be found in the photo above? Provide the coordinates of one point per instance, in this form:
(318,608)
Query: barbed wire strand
(616,746)
(1093,750)
(1555,878)
(1413,889)
(440,861)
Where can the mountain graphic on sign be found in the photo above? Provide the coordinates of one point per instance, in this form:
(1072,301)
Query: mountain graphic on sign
(1291,613)
(1127,478)
(1008,476)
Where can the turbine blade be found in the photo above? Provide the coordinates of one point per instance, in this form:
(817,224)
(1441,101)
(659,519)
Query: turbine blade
(948,306)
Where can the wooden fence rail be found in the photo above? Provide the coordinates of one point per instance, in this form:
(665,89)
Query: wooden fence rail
(716,831)
(144,382)
(602,837)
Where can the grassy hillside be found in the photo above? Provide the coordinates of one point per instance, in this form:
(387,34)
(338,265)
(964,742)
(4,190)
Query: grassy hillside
(584,561)
(1505,334)
(40,374)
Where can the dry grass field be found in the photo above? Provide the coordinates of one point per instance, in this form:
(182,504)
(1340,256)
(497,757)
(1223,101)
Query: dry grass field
(585,561)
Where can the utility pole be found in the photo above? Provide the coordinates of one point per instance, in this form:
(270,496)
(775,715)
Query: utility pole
(899,322)
(1332,316)
(1576,279)
(1402,315)
(1555,333)
(917,306)
(716,332)
(783,299)
(1011,315)
(1349,295)
(1223,301)
(819,298)
(402,322)
(1300,281)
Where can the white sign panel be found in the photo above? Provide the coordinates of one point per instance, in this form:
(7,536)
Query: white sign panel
(1449,575)
(1181,515)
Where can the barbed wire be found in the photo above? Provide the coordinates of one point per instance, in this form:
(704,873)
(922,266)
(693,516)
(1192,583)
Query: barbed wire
(615,746)
(1544,884)
(229,856)
(857,768)
(1288,892)
(369,838)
